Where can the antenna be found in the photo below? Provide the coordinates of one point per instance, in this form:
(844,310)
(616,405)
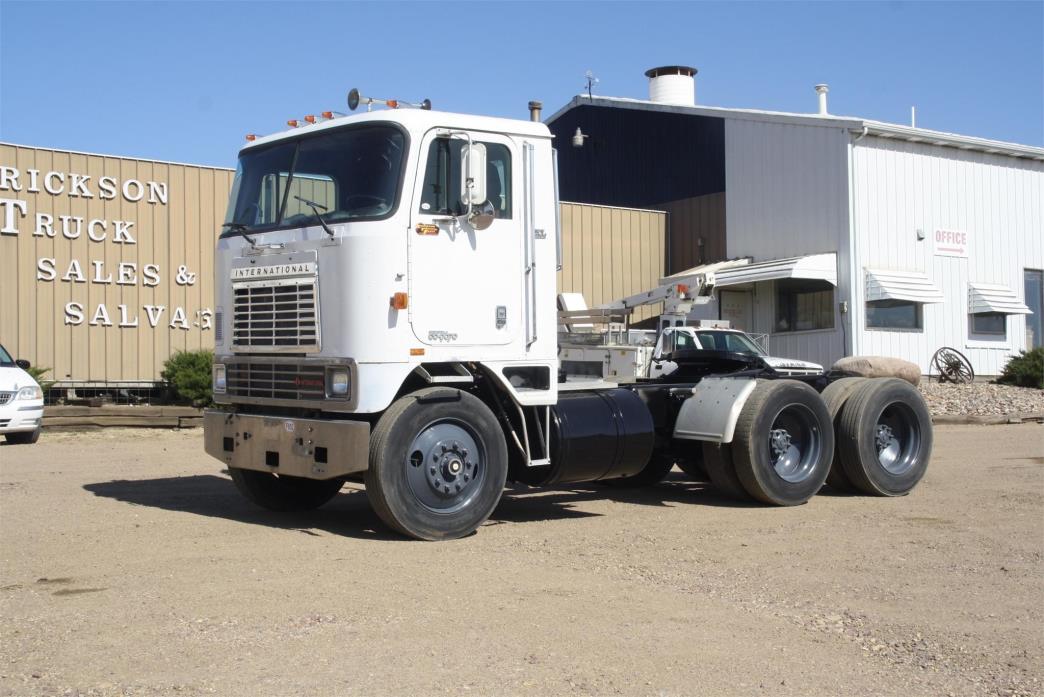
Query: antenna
(591,82)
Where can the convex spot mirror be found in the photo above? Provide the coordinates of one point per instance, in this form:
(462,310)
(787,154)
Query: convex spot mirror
(482,215)
(473,174)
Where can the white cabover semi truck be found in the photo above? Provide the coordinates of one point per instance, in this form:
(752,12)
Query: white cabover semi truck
(386,310)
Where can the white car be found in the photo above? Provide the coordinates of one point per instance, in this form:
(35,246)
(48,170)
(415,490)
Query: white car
(21,401)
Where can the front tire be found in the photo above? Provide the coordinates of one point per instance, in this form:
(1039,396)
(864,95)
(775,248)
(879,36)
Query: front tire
(438,464)
(885,437)
(282,493)
(783,443)
(23,437)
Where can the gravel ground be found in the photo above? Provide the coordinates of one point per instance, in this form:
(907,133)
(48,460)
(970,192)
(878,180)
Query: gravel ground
(129,566)
(981,399)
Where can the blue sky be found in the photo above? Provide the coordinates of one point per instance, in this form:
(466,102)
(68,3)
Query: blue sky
(185,81)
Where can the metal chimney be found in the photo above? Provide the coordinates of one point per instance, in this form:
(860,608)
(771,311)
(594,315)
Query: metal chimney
(822,90)
(672,84)
(534,110)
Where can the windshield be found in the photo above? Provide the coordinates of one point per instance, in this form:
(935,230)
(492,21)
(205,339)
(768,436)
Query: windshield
(728,341)
(347,174)
(5,358)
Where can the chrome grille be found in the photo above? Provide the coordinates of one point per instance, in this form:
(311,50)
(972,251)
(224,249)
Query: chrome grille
(276,380)
(280,315)
(5,397)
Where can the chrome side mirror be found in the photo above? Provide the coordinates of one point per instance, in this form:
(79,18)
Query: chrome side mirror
(482,215)
(472,174)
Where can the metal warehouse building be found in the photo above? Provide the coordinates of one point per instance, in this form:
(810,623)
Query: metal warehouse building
(863,237)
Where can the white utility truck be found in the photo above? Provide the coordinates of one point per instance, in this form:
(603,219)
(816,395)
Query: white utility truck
(386,309)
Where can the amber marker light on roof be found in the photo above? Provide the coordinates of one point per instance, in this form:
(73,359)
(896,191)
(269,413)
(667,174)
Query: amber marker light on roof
(251,136)
(310,118)
(327,114)
(292,123)
(393,103)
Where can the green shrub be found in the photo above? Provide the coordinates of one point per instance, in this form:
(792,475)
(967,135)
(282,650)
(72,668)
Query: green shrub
(37,374)
(189,374)
(1025,369)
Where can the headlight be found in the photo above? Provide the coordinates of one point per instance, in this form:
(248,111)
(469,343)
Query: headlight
(220,383)
(337,382)
(33,392)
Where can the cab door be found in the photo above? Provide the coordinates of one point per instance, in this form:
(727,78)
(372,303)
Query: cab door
(465,285)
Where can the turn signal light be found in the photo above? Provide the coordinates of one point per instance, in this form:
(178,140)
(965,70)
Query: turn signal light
(292,123)
(682,289)
(251,136)
(400,301)
(310,118)
(416,352)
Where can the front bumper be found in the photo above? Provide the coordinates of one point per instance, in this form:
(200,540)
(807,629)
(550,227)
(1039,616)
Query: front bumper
(311,448)
(18,416)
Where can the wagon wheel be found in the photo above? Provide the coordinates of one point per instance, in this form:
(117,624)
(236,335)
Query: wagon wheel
(953,366)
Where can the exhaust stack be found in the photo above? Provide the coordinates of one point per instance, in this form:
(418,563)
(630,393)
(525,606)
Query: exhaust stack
(534,110)
(822,90)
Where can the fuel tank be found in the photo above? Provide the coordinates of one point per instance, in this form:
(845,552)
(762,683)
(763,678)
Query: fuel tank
(595,435)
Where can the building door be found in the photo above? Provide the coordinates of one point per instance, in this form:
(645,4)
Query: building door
(1035,302)
(737,306)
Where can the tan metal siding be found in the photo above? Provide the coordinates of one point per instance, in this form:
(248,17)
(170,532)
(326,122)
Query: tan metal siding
(610,253)
(693,219)
(34,323)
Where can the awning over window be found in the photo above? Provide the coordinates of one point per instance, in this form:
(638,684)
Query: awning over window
(912,287)
(821,267)
(987,297)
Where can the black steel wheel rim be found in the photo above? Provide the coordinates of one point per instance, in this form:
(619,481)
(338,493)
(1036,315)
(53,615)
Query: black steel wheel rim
(445,466)
(897,438)
(795,443)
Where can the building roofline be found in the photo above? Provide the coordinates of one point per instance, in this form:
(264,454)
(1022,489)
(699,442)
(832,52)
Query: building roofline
(117,157)
(850,123)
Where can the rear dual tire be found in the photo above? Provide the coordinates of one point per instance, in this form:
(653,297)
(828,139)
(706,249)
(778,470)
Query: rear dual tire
(781,449)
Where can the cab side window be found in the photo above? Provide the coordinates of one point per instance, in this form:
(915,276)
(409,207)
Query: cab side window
(441,193)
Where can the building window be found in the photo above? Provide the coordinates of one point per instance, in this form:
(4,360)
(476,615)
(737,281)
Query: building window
(993,323)
(1035,302)
(894,314)
(804,305)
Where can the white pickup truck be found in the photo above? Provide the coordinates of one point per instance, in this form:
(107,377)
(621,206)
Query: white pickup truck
(674,339)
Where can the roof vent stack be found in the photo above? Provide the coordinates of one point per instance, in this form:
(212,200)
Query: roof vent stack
(672,84)
(822,90)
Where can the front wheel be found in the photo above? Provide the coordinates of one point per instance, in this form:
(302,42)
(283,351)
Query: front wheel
(281,493)
(23,437)
(438,464)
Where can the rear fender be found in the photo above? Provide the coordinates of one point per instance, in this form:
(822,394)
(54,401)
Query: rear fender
(711,412)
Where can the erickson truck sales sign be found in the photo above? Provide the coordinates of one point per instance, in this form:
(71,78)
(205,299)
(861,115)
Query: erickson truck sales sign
(116,245)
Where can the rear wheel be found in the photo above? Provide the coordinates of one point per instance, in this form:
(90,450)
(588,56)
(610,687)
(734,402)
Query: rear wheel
(885,437)
(835,395)
(654,472)
(438,464)
(783,443)
(281,493)
(717,460)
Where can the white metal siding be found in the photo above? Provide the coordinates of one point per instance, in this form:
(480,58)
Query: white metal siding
(901,187)
(786,191)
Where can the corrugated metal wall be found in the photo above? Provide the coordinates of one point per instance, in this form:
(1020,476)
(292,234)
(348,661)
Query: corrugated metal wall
(787,196)
(169,231)
(692,220)
(610,253)
(900,188)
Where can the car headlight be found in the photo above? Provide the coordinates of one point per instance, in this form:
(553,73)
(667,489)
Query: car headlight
(337,382)
(31,392)
(220,382)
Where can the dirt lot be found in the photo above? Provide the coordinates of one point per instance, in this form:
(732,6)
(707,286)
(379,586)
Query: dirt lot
(130,566)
